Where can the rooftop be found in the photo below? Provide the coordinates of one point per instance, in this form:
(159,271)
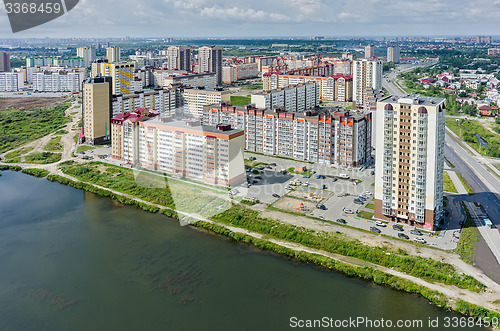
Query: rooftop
(193,124)
(412,100)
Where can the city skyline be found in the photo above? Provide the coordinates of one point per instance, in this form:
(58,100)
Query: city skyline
(219,18)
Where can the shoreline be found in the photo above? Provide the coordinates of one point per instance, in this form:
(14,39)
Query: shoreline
(288,249)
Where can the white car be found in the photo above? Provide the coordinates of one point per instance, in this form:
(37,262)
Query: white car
(420,240)
(348,211)
(368,193)
(381,224)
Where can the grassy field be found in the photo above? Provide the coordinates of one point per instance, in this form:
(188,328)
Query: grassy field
(240,100)
(466,247)
(467,130)
(19,152)
(365,214)
(468,188)
(18,127)
(252,87)
(448,184)
(43,158)
(54,145)
(84,148)
(370,206)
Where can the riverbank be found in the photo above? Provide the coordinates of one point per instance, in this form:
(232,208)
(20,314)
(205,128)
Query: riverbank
(445,296)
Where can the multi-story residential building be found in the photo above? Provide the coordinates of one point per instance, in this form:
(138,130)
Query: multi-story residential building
(494,51)
(366,73)
(484,39)
(55,61)
(326,137)
(122,74)
(87,53)
(60,80)
(393,54)
(4,62)
(369,51)
(410,160)
(337,87)
(11,81)
(179,58)
(168,78)
(210,60)
(96,110)
(213,154)
(113,54)
(163,100)
(195,99)
(294,98)
(234,72)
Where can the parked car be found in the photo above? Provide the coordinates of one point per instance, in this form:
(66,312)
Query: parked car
(306,184)
(272,164)
(320,177)
(374,229)
(245,185)
(341,220)
(359,202)
(368,193)
(381,224)
(305,176)
(362,198)
(403,236)
(258,177)
(372,172)
(348,211)
(276,195)
(324,187)
(344,176)
(322,207)
(420,240)
(268,167)
(397,227)
(416,232)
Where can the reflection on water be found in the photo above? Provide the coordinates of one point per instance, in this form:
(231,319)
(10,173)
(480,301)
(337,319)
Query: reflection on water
(74,261)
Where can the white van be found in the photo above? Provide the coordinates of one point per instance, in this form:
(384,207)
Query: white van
(345,176)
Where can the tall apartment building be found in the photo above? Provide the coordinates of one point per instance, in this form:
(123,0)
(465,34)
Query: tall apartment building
(369,51)
(393,54)
(113,54)
(324,137)
(234,72)
(484,39)
(365,73)
(4,62)
(337,87)
(87,53)
(179,58)
(122,75)
(213,154)
(60,80)
(294,98)
(55,61)
(169,78)
(410,160)
(11,81)
(196,99)
(163,100)
(96,110)
(210,60)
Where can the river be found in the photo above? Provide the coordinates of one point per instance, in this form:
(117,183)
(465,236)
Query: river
(73,261)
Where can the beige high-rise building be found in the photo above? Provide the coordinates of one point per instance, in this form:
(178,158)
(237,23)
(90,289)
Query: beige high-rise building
(210,60)
(369,51)
(179,58)
(113,54)
(366,73)
(409,164)
(96,110)
(87,53)
(393,54)
(195,99)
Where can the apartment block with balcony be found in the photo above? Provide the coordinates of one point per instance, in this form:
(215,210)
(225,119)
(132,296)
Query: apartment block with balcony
(366,73)
(96,110)
(409,164)
(196,99)
(162,100)
(293,98)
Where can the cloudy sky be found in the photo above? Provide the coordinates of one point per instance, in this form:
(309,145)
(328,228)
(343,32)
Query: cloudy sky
(256,18)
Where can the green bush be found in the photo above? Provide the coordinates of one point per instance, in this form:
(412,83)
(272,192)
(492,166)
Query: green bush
(40,173)
(43,157)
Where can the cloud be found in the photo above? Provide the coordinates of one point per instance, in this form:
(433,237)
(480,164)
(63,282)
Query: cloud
(236,13)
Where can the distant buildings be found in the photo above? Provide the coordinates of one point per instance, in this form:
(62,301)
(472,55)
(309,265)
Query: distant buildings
(168,78)
(393,54)
(58,80)
(237,71)
(163,100)
(484,39)
(113,54)
(87,53)
(96,110)
(4,62)
(494,51)
(294,98)
(179,58)
(195,99)
(55,61)
(122,75)
(369,51)
(11,81)
(210,60)
(366,73)
(213,154)
(341,137)
(409,164)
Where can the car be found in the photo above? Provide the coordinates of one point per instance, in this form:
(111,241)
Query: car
(344,176)
(245,185)
(381,224)
(341,220)
(255,181)
(305,176)
(374,229)
(368,193)
(416,232)
(420,240)
(335,179)
(322,207)
(348,211)
(258,177)
(403,236)
(313,172)
(397,227)
(288,188)
(276,195)
(359,202)
(306,184)
(320,177)
(372,172)
(362,198)
(324,187)
(272,164)
(268,167)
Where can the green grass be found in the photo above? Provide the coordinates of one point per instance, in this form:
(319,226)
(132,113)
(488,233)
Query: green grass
(292,171)
(467,131)
(365,214)
(61,132)
(19,152)
(43,158)
(373,184)
(449,163)
(370,206)
(17,127)
(54,145)
(252,87)
(466,247)
(84,148)
(497,166)
(448,184)
(40,173)
(468,188)
(16,159)
(240,100)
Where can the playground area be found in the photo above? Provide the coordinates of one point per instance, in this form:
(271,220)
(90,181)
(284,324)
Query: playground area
(295,205)
(314,195)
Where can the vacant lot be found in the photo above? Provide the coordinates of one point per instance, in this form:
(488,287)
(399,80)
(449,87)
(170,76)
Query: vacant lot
(294,205)
(30,103)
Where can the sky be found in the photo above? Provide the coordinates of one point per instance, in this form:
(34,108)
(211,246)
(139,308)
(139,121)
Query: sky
(268,18)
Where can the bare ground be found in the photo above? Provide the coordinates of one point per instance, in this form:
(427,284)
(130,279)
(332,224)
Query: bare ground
(31,103)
